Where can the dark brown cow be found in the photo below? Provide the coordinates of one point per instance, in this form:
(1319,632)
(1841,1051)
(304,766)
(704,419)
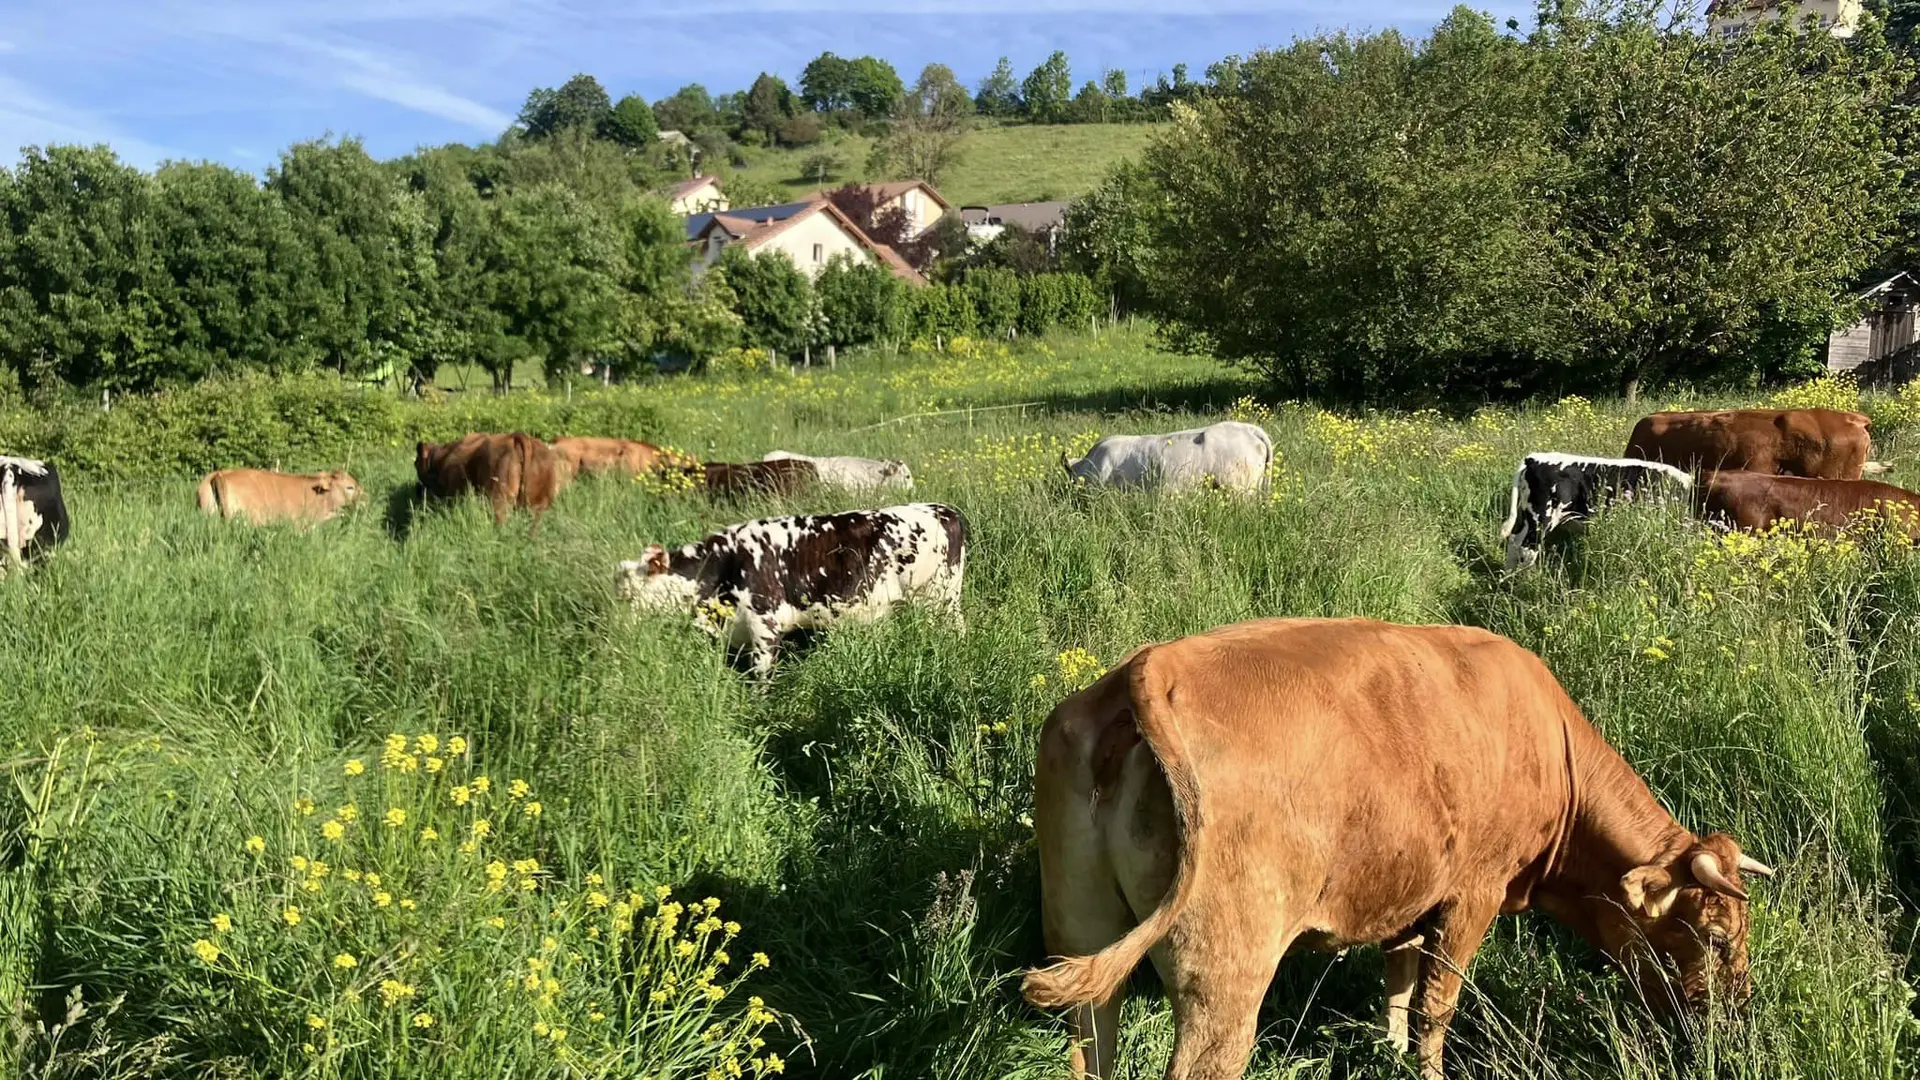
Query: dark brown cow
(1751,500)
(591,454)
(512,470)
(783,477)
(1823,443)
(1220,798)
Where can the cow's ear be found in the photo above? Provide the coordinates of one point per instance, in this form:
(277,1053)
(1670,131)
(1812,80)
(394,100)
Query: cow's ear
(324,484)
(656,559)
(1649,891)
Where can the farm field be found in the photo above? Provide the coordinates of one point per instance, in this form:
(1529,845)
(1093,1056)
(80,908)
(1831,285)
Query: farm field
(1015,163)
(245,763)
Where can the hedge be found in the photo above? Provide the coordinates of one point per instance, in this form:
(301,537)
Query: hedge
(295,423)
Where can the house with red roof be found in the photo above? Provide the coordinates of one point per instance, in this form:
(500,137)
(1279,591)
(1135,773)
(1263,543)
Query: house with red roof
(810,233)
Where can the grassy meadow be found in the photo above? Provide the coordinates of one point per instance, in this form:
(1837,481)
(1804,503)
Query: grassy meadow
(1014,163)
(242,830)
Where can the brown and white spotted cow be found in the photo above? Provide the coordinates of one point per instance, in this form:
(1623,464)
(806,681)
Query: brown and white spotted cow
(751,584)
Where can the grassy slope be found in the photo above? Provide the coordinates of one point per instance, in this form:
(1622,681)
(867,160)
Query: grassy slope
(1020,163)
(864,817)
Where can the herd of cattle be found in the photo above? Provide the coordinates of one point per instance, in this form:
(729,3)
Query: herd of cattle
(1215,800)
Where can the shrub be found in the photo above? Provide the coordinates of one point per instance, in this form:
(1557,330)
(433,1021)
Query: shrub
(297,422)
(1824,392)
(861,302)
(944,311)
(996,296)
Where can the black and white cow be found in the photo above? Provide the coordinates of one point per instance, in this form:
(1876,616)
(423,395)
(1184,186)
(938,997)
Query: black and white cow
(1552,491)
(33,516)
(753,583)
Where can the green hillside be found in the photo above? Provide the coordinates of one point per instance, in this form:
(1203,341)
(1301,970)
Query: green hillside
(1020,163)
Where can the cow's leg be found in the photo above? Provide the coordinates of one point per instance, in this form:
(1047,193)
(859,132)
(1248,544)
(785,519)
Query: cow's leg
(1457,933)
(1403,976)
(1222,965)
(10,516)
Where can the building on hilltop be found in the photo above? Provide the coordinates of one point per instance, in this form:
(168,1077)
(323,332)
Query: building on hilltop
(699,195)
(810,233)
(1732,18)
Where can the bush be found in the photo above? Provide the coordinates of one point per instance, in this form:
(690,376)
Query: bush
(297,422)
(861,302)
(996,295)
(942,311)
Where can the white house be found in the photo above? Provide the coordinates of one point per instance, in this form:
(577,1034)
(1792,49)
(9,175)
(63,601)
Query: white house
(923,204)
(1731,18)
(809,233)
(699,195)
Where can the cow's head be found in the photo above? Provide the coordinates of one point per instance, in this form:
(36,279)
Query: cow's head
(1071,467)
(897,474)
(650,584)
(337,487)
(1680,928)
(423,455)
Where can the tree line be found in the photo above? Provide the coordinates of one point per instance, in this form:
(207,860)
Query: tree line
(1607,202)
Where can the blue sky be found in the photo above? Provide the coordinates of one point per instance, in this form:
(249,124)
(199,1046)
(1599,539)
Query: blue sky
(237,80)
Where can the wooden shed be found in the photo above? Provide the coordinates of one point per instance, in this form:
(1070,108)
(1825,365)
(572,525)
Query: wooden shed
(1881,346)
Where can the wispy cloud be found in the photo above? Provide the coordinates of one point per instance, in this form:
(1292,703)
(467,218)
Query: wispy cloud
(387,79)
(29,118)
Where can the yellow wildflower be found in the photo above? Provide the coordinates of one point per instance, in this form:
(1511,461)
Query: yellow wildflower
(290,915)
(519,789)
(396,817)
(206,950)
(482,785)
(318,869)
(429,834)
(349,813)
(684,949)
(423,1020)
(597,899)
(595,880)
(497,923)
(456,746)
(407,904)
(540,1028)
(222,923)
(298,862)
(482,827)
(393,991)
(332,829)
(435,764)
(460,795)
(760,960)
(317,1023)
(355,767)
(256,844)
(533,809)
(346,960)
(305,806)
(559,1035)
(732,928)
(350,875)
(427,744)
(496,870)
(382,899)
(372,879)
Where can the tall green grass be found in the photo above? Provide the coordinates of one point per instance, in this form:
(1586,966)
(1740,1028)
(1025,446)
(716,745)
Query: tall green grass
(171,687)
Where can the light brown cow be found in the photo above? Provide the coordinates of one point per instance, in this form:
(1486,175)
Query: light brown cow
(1217,799)
(259,496)
(1751,500)
(512,470)
(592,454)
(1824,443)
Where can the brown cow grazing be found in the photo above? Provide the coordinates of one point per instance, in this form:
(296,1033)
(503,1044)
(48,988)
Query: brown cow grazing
(781,477)
(513,470)
(259,496)
(1751,500)
(590,454)
(1217,799)
(1824,443)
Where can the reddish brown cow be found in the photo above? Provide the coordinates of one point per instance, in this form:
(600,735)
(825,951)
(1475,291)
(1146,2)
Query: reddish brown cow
(259,496)
(590,454)
(1797,442)
(1751,500)
(513,470)
(783,477)
(1217,799)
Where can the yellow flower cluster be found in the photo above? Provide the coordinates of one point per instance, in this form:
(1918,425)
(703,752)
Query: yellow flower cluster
(388,920)
(1825,392)
(1012,461)
(1079,668)
(1251,410)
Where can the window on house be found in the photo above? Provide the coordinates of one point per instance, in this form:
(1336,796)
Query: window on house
(819,252)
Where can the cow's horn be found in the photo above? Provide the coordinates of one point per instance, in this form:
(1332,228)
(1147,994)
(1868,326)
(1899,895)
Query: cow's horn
(1706,871)
(1751,865)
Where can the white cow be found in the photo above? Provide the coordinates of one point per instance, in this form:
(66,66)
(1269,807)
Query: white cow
(1232,454)
(854,473)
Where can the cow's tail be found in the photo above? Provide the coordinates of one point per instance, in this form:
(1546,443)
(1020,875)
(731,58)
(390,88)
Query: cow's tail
(1089,980)
(1266,463)
(1513,501)
(209,495)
